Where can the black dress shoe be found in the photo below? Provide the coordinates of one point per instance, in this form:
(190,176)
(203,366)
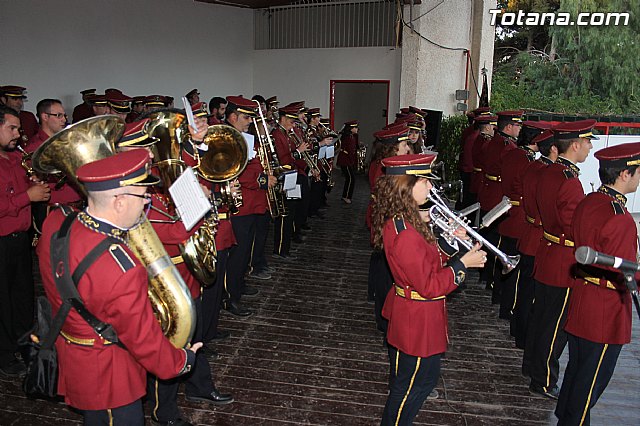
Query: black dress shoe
(552,392)
(250,291)
(176,422)
(237,309)
(215,398)
(221,335)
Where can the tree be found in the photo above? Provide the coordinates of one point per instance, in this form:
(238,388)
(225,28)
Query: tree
(590,69)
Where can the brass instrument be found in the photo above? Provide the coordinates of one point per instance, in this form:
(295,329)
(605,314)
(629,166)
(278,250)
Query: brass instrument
(26,158)
(94,139)
(361,154)
(171,130)
(325,132)
(271,165)
(448,221)
(306,156)
(225,159)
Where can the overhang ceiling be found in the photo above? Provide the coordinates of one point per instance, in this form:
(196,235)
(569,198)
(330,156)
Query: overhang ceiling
(261,4)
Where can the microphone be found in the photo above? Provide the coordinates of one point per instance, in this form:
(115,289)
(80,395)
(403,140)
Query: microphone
(588,256)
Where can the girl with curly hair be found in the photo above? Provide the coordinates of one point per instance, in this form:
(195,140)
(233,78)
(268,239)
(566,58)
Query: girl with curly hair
(415,305)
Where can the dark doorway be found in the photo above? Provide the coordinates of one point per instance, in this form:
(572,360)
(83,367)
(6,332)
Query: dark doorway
(364,100)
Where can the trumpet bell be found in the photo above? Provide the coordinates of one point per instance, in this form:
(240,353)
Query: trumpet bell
(227,154)
(81,143)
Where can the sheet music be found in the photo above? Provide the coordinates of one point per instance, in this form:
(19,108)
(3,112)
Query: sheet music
(295,192)
(290,179)
(189,198)
(189,113)
(322,153)
(251,150)
(330,151)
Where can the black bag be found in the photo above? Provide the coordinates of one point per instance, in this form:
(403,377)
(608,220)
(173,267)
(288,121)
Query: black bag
(42,367)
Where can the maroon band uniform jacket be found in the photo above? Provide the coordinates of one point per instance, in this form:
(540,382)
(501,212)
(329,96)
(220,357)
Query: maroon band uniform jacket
(490,193)
(558,194)
(532,226)
(417,327)
(348,151)
(172,235)
(600,309)
(514,163)
(469,137)
(93,374)
(15,205)
(477,154)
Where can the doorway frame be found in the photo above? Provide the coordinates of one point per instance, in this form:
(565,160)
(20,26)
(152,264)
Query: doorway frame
(332,95)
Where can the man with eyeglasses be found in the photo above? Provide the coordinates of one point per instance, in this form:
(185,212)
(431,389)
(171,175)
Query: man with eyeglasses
(53,119)
(106,381)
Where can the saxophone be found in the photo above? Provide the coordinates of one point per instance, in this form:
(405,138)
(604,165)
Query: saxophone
(93,139)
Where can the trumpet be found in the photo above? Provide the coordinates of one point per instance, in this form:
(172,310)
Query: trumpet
(448,221)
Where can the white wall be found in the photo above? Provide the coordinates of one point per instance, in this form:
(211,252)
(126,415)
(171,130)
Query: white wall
(56,48)
(305,74)
(431,75)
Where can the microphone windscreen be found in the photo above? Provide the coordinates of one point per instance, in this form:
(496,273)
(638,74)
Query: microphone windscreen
(585,255)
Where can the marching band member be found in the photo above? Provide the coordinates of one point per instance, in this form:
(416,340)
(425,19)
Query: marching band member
(599,314)
(83,110)
(17,193)
(254,183)
(289,155)
(14,97)
(554,257)
(348,158)
(415,307)
(514,163)
(490,191)
(388,143)
(114,290)
(528,243)
(199,387)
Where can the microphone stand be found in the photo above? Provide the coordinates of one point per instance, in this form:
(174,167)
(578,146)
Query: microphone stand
(630,281)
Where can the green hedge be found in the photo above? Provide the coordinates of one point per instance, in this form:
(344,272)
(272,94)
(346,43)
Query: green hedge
(449,147)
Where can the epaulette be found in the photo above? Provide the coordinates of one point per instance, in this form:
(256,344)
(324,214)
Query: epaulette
(617,208)
(399,223)
(569,174)
(121,257)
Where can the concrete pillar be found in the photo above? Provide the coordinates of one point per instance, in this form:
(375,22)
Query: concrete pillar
(431,74)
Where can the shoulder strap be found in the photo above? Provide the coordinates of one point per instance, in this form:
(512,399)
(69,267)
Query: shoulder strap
(67,283)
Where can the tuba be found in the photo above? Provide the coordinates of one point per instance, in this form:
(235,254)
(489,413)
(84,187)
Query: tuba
(171,130)
(94,139)
(225,159)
